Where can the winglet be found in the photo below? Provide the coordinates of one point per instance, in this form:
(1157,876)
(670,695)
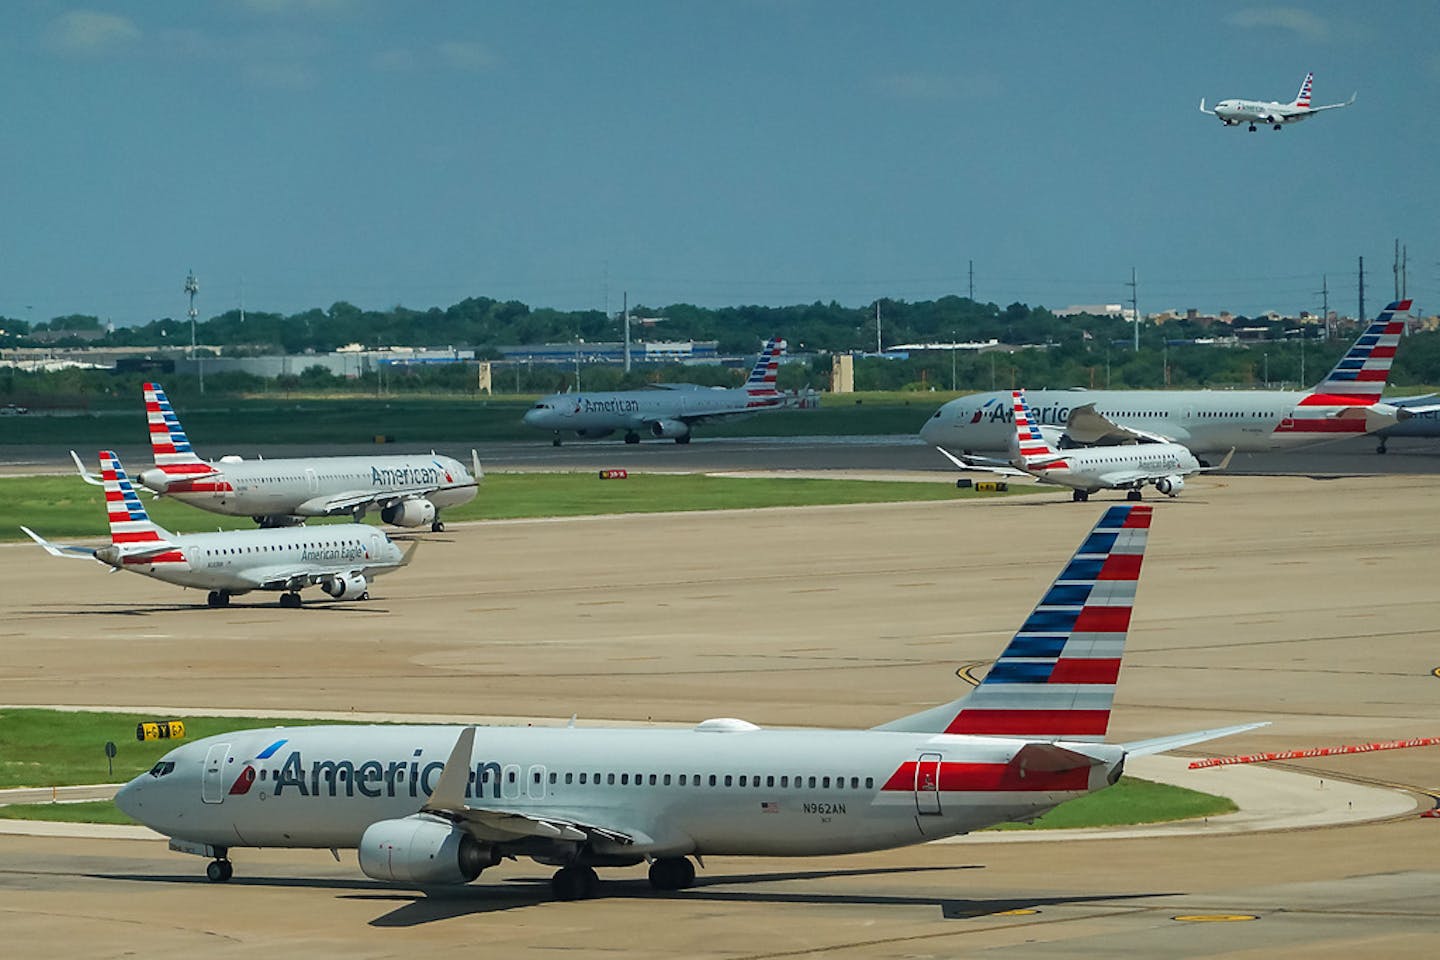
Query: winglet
(85,475)
(476,472)
(1202,107)
(409,554)
(1225,464)
(449,793)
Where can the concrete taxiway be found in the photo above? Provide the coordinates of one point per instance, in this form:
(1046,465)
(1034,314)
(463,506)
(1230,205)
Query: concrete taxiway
(1292,600)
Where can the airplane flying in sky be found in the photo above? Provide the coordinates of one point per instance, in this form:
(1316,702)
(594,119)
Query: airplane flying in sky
(1346,403)
(1235,112)
(340,558)
(665,411)
(429,805)
(1087,470)
(409,491)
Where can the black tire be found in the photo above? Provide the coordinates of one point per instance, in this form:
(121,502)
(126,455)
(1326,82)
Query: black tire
(218,871)
(1252,128)
(632,438)
(290,600)
(684,439)
(1132,495)
(555,442)
(672,873)
(1079,496)
(437,527)
(1381,448)
(574,883)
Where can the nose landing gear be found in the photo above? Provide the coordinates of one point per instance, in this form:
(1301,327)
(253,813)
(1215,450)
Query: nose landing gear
(219,870)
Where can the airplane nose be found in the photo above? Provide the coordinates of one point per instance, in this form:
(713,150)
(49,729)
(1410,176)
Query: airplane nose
(531,418)
(127,798)
(930,432)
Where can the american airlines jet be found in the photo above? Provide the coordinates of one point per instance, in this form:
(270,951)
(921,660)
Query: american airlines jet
(340,558)
(665,411)
(1235,112)
(429,805)
(1346,403)
(409,491)
(1129,467)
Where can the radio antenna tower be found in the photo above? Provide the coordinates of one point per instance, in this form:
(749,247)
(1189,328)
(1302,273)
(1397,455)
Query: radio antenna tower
(192,287)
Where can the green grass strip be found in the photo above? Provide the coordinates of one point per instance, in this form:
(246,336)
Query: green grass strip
(86,811)
(1129,802)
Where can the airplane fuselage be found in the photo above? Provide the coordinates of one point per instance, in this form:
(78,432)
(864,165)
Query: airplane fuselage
(1097,468)
(665,413)
(1236,111)
(678,792)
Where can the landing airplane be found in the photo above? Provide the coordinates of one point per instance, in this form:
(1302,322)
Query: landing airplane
(1235,112)
(1129,467)
(665,411)
(1346,403)
(409,491)
(341,558)
(429,805)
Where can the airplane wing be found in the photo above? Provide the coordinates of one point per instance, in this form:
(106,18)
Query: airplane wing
(983,465)
(1088,426)
(60,549)
(289,578)
(343,503)
(1336,106)
(498,824)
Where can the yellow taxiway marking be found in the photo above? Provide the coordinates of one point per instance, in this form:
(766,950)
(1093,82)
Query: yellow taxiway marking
(1215,917)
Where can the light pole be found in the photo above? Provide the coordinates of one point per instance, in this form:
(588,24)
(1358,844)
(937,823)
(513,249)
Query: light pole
(192,287)
(952,361)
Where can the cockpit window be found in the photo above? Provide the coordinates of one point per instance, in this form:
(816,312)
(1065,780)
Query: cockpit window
(162,768)
(541,406)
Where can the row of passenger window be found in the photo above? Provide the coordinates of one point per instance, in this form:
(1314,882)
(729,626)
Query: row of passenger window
(782,781)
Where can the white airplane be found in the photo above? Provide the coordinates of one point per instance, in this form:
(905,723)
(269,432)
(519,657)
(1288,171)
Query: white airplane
(429,805)
(1346,403)
(1087,470)
(1235,112)
(409,491)
(665,411)
(342,558)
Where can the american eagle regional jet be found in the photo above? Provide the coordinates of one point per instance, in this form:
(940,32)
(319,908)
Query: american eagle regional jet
(409,491)
(1234,112)
(1346,403)
(429,805)
(664,411)
(341,558)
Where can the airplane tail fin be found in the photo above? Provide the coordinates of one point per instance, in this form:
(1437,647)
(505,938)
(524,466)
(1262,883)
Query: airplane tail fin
(1302,99)
(168,442)
(1030,442)
(767,367)
(129,523)
(1363,371)
(1057,677)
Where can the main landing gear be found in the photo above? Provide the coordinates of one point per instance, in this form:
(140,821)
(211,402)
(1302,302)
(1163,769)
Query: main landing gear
(219,870)
(672,873)
(1132,495)
(574,883)
(290,600)
(1080,496)
(1381,447)
(632,437)
(555,440)
(217,598)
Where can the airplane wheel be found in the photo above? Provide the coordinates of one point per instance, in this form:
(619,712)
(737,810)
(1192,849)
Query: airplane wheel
(1277,126)
(218,871)
(365,595)
(1132,495)
(437,527)
(555,441)
(632,438)
(684,439)
(574,883)
(672,873)
(1381,448)
(218,598)
(1252,128)
(290,600)
(1079,496)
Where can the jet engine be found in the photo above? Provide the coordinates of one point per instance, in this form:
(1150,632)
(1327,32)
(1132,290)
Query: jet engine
(346,588)
(670,429)
(1170,486)
(423,850)
(409,513)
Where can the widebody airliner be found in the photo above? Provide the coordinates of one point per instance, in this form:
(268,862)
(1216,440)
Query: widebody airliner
(663,411)
(429,805)
(1346,403)
(409,491)
(1234,112)
(1086,470)
(340,558)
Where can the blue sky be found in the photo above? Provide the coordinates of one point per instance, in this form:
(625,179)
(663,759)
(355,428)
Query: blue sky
(752,151)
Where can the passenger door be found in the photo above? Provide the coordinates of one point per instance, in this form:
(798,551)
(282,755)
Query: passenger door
(212,779)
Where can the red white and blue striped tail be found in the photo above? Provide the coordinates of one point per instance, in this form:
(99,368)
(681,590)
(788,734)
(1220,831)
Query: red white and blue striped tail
(129,523)
(1361,374)
(767,367)
(168,442)
(1056,679)
(1302,99)
(1029,441)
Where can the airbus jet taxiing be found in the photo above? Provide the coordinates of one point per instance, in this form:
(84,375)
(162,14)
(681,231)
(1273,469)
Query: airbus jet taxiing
(340,558)
(409,491)
(1087,470)
(1346,403)
(665,411)
(430,805)
(1235,112)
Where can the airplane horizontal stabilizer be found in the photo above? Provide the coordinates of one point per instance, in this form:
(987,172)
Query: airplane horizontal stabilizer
(60,549)
(1141,748)
(983,464)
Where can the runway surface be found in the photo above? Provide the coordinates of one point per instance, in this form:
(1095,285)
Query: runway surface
(1303,602)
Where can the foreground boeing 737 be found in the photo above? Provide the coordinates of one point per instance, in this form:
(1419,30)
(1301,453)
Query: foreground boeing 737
(1346,403)
(1086,470)
(340,558)
(664,411)
(409,491)
(1234,112)
(430,805)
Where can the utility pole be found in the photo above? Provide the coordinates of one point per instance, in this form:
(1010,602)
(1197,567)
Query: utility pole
(627,331)
(1362,291)
(1404,268)
(1135,307)
(1325,304)
(878,349)
(952,361)
(1395,269)
(192,287)
(972,281)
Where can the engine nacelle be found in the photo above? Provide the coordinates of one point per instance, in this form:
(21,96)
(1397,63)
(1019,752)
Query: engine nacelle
(670,429)
(409,513)
(351,587)
(1170,486)
(422,850)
